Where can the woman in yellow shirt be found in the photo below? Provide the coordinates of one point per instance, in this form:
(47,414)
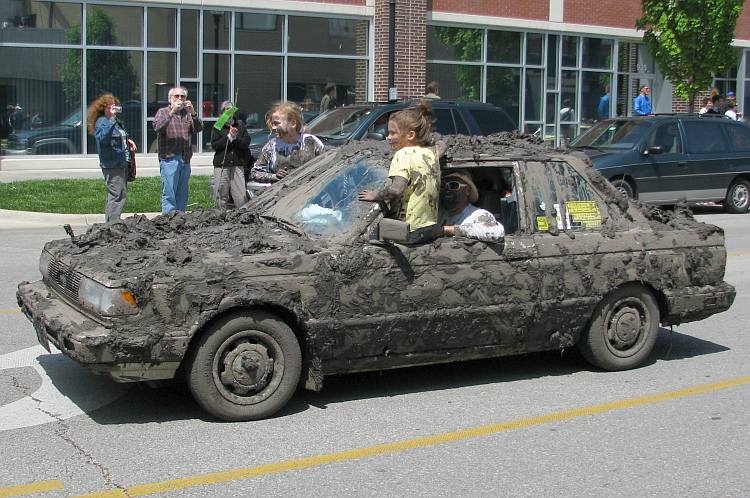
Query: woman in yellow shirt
(415,170)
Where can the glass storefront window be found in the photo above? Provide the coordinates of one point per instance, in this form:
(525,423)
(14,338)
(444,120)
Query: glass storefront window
(322,35)
(504,46)
(162,70)
(635,58)
(189,43)
(454,44)
(216,29)
(534,48)
(120,73)
(570,51)
(258,32)
(41,101)
(504,89)
(597,53)
(161,27)
(533,95)
(308,77)
(42,22)
(215,84)
(456,81)
(568,88)
(552,62)
(594,86)
(114,25)
(257,81)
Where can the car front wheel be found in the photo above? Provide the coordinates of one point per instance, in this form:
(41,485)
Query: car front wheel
(738,197)
(245,367)
(624,188)
(623,329)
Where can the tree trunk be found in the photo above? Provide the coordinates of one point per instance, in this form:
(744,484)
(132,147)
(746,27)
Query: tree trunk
(691,101)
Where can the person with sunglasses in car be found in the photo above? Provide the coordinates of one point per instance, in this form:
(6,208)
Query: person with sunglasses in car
(459,217)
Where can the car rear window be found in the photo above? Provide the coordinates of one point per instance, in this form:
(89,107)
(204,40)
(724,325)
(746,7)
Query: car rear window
(492,120)
(705,136)
(739,137)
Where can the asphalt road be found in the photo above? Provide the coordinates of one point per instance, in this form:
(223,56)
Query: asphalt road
(534,425)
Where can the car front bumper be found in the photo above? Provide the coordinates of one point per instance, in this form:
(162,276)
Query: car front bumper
(690,304)
(87,341)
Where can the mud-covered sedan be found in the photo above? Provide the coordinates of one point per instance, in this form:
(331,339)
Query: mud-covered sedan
(249,304)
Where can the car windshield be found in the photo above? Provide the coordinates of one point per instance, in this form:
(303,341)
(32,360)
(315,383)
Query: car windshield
(623,134)
(328,206)
(339,122)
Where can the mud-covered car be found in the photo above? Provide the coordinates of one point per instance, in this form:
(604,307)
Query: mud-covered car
(249,304)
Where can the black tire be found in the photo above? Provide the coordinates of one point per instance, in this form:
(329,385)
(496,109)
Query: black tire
(624,188)
(737,200)
(622,331)
(266,363)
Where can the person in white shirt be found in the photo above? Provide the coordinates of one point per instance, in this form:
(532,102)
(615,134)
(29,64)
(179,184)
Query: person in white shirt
(459,217)
(731,111)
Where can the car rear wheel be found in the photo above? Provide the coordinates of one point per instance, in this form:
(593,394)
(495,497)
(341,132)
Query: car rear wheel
(624,188)
(738,197)
(623,329)
(245,367)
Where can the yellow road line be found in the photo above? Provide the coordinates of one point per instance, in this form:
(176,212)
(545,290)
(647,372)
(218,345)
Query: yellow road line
(409,444)
(11,311)
(35,487)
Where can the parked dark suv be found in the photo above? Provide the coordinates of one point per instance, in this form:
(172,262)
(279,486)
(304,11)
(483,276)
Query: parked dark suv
(663,159)
(356,122)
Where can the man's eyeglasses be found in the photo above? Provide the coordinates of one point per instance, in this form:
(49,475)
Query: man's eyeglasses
(179,96)
(451,185)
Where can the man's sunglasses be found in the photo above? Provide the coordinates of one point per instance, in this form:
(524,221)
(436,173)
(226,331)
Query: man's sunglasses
(451,185)
(179,96)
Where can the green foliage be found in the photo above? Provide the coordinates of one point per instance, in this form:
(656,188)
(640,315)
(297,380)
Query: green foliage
(690,40)
(107,70)
(88,196)
(467,46)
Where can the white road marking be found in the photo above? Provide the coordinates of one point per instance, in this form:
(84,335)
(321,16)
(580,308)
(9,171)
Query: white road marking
(73,391)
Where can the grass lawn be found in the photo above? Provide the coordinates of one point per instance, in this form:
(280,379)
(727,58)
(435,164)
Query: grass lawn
(88,196)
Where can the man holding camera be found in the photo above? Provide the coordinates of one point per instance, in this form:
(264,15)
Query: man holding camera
(175,126)
(231,146)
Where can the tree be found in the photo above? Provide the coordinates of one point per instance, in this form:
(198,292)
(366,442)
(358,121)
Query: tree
(467,46)
(690,40)
(107,70)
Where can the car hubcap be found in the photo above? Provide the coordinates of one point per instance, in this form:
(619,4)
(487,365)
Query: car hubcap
(740,196)
(626,330)
(248,367)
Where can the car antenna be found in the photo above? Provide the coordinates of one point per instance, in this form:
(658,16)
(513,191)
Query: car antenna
(69,230)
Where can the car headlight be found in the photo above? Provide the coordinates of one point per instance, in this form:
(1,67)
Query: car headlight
(106,301)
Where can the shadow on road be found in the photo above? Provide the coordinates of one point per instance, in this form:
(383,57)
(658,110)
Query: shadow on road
(146,405)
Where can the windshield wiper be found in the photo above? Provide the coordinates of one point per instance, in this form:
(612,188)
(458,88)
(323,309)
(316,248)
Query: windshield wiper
(285,224)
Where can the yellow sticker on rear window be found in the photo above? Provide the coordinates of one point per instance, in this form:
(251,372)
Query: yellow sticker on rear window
(584,214)
(541,223)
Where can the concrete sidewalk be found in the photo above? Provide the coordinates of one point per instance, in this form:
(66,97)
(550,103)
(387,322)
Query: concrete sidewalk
(27,219)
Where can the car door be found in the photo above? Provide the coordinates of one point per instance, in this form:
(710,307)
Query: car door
(708,172)
(567,215)
(450,299)
(664,156)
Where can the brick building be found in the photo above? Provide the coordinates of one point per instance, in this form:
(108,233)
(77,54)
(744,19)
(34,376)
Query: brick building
(554,65)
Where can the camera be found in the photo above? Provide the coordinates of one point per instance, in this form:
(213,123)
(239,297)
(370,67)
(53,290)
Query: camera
(116,109)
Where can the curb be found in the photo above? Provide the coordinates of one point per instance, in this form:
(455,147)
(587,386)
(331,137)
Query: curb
(29,219)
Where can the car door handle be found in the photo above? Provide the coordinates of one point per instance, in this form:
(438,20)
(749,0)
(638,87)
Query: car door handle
(681,163)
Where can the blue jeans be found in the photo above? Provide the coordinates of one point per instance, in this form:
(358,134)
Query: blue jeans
(175,174)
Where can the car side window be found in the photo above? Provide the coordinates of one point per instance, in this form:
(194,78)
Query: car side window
(445,124)
(705,136)
(739,137)
(380,125)
(492,121)
(563,198)
(667,136)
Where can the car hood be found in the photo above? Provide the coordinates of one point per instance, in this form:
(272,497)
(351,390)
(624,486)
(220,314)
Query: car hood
(603,158)
(191,245)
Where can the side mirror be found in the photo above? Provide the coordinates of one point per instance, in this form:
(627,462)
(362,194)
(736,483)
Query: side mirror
(656,149)
(395,230)
(375,136)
